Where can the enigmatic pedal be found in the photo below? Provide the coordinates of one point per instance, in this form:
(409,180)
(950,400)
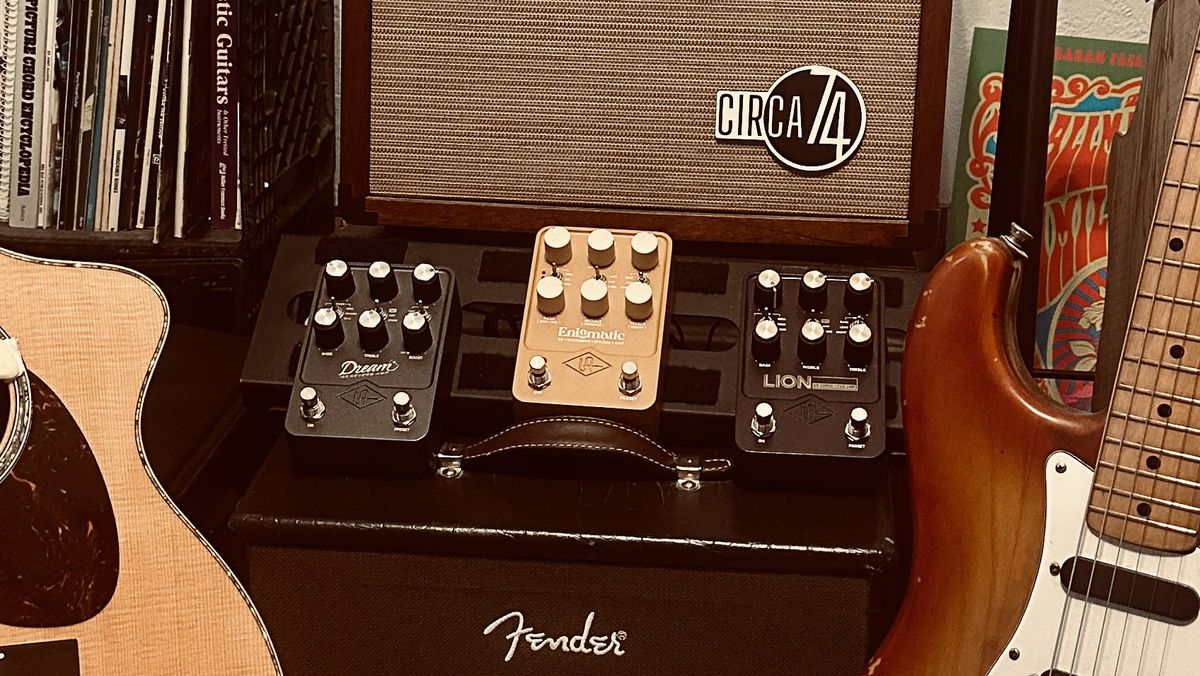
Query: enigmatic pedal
(592,337)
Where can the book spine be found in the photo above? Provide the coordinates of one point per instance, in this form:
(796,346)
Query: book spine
(223,118)
(47,212)
(181,145)
(97,114)
(25,182)
(8,91)
(122,117)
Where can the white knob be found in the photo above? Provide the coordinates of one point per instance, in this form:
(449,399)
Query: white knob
(602,248)
(594,297)
(558,245)
(644,250)
(639,301)
(551,297)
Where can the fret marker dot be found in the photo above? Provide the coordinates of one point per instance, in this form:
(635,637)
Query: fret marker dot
(1176,244)
(1143,509)
(1153,462)
(1164,410)
(1177,351)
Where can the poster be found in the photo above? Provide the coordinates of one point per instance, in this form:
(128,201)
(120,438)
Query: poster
(1096,89)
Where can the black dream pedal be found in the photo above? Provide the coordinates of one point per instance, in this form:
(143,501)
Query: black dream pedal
(374,370)
(811,408)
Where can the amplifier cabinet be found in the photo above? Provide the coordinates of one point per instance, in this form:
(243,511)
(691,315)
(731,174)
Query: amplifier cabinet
(497,574)
(799,121)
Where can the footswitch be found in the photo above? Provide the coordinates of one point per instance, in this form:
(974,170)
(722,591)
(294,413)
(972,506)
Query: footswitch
(811,408)
(374,370)
(592,336)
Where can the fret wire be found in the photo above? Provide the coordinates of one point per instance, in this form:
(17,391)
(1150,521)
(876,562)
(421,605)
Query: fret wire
(1143,521)
(1157,476)
(1168,299)
(1178,226)
(1138,497)
(1166,367)
(1181,185)
(1156,450)
(1161,424)
(1159,395)
(1191,143)
(1173,263)
(1165,332)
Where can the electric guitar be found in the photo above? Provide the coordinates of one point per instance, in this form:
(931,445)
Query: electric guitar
(1049,542)
(99,572)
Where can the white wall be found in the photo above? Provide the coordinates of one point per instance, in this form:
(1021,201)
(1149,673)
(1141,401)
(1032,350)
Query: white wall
(1127,20)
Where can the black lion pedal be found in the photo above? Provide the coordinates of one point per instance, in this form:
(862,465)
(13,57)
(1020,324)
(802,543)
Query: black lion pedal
(374,370)
(811,407)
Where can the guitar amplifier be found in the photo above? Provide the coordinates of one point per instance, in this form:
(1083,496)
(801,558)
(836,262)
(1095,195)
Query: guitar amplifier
(799,121)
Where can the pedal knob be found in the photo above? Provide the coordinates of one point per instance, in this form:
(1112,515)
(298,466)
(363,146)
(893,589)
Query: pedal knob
(814,291)
(631,380)
(644,251)
(339,281)
(327,329)
(594,296)
(382,281)
(602,248)
(859,343)
(539,372)
(639,301)
(551,296)
(417,336)
(403,412)
(860,292)
(812,345)
(766,290)
(372,332)
(558,245)
(766,346)
(858,429)
(763,424)
(312,408)
(427,284)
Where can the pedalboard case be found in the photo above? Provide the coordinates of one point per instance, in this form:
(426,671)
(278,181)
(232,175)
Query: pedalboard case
(693,580)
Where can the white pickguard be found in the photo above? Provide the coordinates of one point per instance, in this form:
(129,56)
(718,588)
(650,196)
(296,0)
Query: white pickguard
(1095,641)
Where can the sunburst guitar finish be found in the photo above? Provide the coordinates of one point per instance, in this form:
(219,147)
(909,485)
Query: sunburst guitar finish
(100,574)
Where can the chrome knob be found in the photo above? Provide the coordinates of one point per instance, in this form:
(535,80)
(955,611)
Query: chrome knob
(763,424)
(812,345)
(858,429)
(417,336)
(427,284)
(631,380)
(766,290)
(372,332)
(860,292)
(403,412)
(859,344)
(539,372)
(766,342)
(381,280)
(327,329)
(814,291)
(339,281)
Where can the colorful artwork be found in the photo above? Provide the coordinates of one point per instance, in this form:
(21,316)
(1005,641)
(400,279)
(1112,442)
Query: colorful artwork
(1096,89)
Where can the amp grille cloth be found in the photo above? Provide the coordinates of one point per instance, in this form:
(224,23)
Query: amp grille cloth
(612,102)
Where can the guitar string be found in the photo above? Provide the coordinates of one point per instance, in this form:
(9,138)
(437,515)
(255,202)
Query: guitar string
(1156,472)
(1064,620)
(1173,306)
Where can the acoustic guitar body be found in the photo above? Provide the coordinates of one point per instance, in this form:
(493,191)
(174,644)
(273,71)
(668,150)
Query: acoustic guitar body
(980,435)
(99,572)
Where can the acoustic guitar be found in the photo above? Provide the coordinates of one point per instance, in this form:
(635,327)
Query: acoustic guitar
(100,574)
(1049,542)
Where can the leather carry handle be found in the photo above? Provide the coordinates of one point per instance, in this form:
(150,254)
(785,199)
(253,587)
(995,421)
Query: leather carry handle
(578,439)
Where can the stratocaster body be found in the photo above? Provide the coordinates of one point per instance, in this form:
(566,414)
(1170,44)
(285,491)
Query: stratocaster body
(980,435)
(99,572)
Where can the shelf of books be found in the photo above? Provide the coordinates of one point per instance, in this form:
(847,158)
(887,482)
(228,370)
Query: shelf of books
(150,128)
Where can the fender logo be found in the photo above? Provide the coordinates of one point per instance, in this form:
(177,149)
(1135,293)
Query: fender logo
(352,369)
(582,643)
